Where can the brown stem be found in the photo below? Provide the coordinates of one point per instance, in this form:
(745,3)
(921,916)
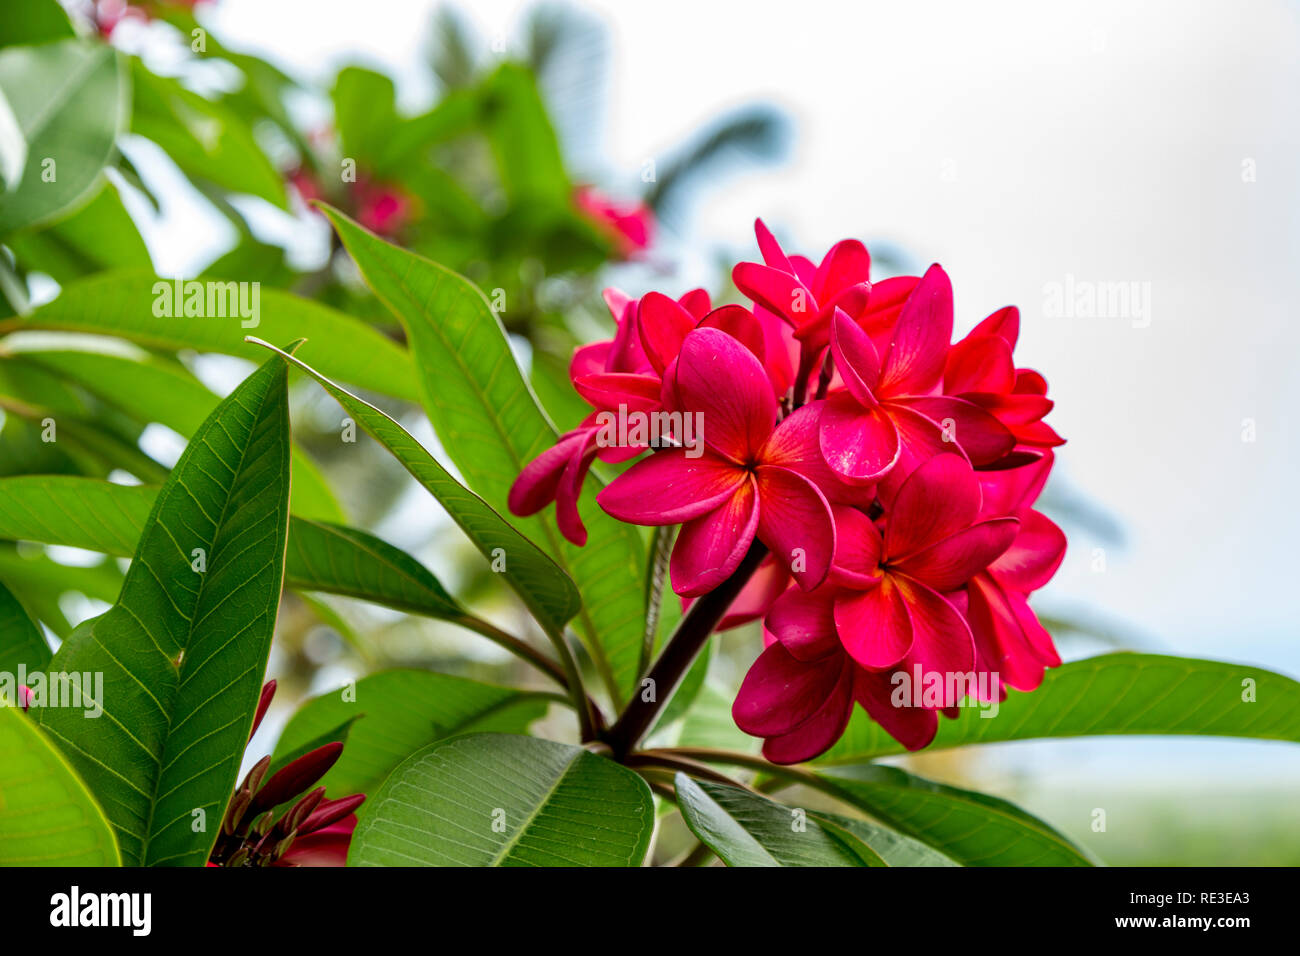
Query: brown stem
(667,673)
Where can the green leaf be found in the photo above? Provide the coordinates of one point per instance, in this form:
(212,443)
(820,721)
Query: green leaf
(891,847)
(540,583)
(182,653)
(121,303)
(747,829)
(205,139)
(365,113)
(21,642)
(974,829)
(1113,694)
(34,21)
(503,800)
(523,141)
(151,389)
(106,517)
(487,418)
(47,817)
(399,711)
(351,562)
(100,235)
(62,105)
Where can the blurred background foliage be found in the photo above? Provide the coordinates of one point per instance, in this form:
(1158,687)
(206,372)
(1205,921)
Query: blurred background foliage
(498,179)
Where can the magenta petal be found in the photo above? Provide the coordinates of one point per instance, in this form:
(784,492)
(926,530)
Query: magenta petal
(855,359)
(760,592)
(979,363)
(952,561)
(919,440)
(794,520)
(939,498)
(773,289)
(696,302)
(857,549)
(738,322)
(919,350)
(1004,644)
(859,444)
(1004,323)
(609,390)
(567,494)
(780,692)
(1033,557)
(724,381)
(669,488)
(941,638)
(913,727)
(710,547)
(981,436)
(771,251)
(590,359)
(663,325)
(795,445)
(874,625)
(536,485)
(847,264)
(820,731)
(804,622)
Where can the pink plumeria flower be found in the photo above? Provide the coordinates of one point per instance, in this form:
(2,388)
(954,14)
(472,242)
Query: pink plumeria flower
(933,544)
(745,482)
(802,294)
(889,417)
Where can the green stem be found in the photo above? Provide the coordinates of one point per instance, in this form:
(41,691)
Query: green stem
(661,549)
(565,673)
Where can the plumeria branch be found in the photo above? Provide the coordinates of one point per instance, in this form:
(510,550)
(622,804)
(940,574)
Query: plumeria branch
(682,648)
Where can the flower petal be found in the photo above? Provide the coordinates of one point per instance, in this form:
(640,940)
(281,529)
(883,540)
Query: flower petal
(663,326)
(610,390)
(846,264)
(952,561)
(939,498)
(855,359)
(780,692)
(723,380)
(738,322)
(669,488)
(780,292)
(859,444)
(979,363)
(804,622)
(913,727)
(794,520)
(981,436)
(1033,557)
(795,445)
(874,625)
(857,549)
(696,302)
(1004,323)
(819,732)
(710,547)
(941,638)
(536,485)
(915,361)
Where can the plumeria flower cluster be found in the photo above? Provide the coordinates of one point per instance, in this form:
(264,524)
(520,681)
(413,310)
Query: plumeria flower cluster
(258,830)
(888,473)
